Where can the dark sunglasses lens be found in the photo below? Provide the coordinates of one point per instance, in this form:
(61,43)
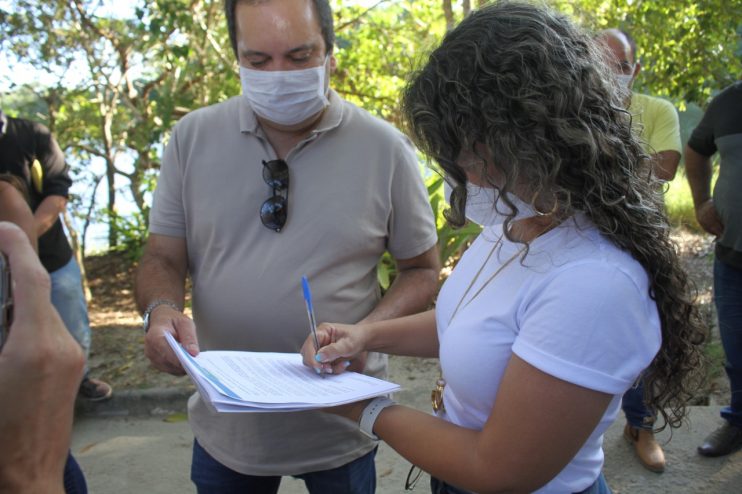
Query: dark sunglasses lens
(273,213)
(276,174)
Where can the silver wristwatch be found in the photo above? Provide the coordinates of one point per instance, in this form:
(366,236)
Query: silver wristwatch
(152,306)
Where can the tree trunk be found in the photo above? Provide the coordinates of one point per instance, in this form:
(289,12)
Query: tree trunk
(79,255)
(466,4)
(111,178)
(448,13)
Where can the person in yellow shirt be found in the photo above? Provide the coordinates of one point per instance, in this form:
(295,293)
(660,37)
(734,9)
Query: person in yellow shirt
(656,122)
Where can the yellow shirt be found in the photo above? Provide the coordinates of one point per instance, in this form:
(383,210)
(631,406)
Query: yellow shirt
(656,122)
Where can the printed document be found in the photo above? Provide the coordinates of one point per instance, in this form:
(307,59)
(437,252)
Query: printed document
(271,382)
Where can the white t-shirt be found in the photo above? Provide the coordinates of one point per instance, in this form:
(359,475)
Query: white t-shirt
(577,308)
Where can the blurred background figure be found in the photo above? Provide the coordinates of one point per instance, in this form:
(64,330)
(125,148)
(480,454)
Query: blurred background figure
(29,152)
(720,214)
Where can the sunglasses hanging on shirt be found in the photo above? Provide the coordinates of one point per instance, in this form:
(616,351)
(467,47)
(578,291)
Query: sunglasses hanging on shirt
(274,210)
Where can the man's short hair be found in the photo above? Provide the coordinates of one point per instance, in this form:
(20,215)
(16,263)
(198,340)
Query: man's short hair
(321,7)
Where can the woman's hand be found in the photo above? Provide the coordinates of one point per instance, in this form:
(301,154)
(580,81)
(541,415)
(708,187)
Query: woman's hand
(342,347)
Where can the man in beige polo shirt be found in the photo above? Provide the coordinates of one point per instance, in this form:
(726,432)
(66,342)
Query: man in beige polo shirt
(254,192)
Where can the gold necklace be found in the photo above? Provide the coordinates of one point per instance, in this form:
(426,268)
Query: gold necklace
(479,272)
(436,396)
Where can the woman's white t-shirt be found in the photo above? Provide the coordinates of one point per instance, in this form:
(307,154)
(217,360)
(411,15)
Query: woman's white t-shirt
(577,308)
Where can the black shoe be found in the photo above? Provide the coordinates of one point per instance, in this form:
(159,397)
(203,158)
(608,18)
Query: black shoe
(724,440)
(95,390)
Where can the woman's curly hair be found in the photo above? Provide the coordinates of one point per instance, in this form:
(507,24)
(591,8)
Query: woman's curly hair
(534,91)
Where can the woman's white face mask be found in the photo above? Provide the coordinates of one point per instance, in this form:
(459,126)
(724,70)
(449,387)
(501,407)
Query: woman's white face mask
(485,207)
(286,97)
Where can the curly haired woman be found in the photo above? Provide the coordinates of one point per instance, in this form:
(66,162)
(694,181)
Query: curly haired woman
(572,290)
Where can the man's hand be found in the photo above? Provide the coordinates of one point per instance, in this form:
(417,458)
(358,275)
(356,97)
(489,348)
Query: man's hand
(164,319)
(709,219)
(40,371)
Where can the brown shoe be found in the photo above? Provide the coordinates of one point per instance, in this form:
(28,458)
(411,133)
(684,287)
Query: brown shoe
(647,449)
(724,440)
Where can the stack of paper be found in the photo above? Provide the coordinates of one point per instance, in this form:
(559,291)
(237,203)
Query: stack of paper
(271,382)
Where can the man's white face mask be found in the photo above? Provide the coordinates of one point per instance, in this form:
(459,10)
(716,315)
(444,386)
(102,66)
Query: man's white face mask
(485,207)
(286,97)
(625,79)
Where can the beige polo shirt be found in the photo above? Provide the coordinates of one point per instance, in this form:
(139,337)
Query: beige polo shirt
(355,191)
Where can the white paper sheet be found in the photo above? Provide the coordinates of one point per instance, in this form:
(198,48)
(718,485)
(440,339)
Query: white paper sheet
(271,382)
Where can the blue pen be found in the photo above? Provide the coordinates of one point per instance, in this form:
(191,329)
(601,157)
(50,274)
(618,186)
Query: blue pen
(310,311)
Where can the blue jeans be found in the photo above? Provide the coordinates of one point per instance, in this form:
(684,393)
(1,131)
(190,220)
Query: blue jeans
(69,300)
(211,477)
(637,413)
(74,480)
(439,487)
(728,301)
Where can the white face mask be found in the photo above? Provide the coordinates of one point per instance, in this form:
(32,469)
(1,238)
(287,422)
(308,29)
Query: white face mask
(625,80)
(286,97)
(485,207)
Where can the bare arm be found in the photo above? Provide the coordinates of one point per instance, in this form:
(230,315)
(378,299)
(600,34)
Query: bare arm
(537,425)
(665,164)
(48,212)
(412,290)
(699,171)
(413,335)
(13,208)
(161,276)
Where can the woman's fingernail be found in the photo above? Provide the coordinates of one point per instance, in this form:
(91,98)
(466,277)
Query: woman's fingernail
(318,357)
(317,370)
(346,364)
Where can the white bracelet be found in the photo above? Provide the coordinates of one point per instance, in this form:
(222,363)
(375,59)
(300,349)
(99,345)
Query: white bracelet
(371,413)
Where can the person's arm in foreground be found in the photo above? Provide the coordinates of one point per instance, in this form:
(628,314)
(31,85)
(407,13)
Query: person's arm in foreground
(537,425)
(699,171)
(40,370)
(161,276)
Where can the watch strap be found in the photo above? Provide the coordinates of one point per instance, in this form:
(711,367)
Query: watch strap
(371,413)
(152,306)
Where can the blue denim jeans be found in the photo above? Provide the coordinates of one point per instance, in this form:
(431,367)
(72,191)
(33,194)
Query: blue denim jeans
(637,413)
(211,477)
(728,301)
(69,300)
(439,487)
(74,480)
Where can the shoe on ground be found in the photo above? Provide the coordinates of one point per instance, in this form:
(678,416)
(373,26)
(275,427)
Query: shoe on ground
(95,390)
(723,441)
(647,449)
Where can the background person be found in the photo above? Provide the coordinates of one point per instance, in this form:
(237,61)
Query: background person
(535,352)
(286,180)
(656,123)
(720,131)
(29,151)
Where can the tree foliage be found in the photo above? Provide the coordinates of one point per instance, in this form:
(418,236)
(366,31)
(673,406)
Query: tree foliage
(113,80)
